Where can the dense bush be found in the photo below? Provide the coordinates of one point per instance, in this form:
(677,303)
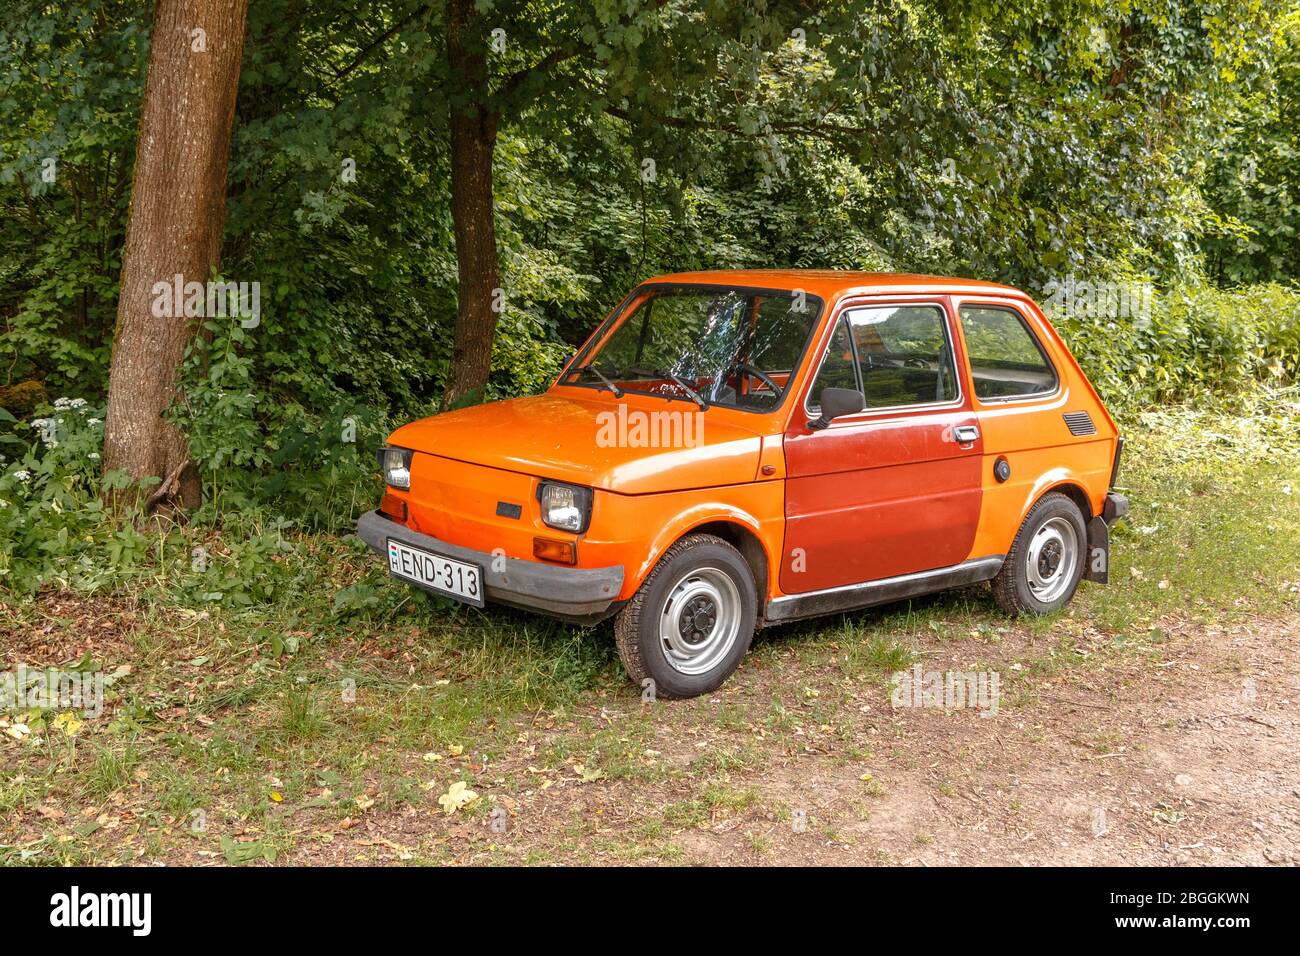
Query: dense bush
(1196,340)
(55,531)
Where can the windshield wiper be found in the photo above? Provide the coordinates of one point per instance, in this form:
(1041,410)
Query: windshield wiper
(677,380)
(618,392)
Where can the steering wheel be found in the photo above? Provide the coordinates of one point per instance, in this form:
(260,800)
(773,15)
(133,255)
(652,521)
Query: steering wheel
(759,374)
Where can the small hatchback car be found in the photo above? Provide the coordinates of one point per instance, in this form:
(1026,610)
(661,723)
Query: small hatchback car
(732,450)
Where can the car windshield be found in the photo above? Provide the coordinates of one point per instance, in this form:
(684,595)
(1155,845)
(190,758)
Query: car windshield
(732,347)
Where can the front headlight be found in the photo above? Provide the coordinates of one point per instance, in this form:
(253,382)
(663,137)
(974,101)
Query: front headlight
(564,507)
(395,464)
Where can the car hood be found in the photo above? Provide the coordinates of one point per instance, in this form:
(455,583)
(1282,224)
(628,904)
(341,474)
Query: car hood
(599,442)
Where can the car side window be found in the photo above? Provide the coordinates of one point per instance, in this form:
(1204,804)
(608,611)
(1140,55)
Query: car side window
(1006,360)
(904,354)
(838,369)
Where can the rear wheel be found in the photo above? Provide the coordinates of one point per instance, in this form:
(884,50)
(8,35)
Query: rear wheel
(692,619)
(1043,568)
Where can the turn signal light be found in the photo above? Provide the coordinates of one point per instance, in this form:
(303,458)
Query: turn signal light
(393,506)
(565,552)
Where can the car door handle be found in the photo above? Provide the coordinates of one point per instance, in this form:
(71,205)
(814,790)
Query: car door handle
(965,434)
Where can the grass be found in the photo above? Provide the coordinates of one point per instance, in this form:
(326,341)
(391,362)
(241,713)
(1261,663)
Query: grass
(284,721)
(110,770)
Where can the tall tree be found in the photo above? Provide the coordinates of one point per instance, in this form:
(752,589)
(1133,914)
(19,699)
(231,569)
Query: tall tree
(473,126)
(513,64)
(178,210)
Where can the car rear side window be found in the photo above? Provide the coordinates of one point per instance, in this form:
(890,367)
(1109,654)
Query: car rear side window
(1006,360)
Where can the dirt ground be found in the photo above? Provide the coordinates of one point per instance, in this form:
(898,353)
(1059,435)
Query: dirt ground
(1177,745)
(1183,758)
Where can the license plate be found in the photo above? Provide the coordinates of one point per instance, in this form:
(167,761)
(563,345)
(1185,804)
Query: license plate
(438,572)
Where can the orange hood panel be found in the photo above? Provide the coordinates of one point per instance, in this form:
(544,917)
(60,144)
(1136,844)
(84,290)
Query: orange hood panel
(637,445)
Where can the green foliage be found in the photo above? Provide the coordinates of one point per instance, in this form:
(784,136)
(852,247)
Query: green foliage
(1013,142)
(316,466)
(1017,142)
(1196,342)
(69,113)
(53,529)
(1253,183)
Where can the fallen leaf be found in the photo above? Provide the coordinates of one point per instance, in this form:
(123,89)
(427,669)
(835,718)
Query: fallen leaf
(238,853)
(68,723)
(456,797)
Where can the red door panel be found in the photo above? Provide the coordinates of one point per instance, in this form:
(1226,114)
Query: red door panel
(875,499)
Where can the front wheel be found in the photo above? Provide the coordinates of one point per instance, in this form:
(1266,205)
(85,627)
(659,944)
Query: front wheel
(1045,563)
(692,619)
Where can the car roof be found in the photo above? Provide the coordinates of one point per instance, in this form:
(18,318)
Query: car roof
(830,282)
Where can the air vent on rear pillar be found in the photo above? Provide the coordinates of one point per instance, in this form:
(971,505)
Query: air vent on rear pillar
(1080,423)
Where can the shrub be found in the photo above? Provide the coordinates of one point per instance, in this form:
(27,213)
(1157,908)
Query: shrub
(1196,341)
(52,522)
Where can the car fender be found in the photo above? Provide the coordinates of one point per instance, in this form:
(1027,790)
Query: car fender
(1050,480)
(696,516)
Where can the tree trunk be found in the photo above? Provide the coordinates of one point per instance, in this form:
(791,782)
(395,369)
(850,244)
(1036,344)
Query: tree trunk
(177,214)
(473,143)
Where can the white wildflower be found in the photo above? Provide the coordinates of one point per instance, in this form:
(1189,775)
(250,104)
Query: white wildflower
(22,475)
(63,403)
(92,421)
(94,456)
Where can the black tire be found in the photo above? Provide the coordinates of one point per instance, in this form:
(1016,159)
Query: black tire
(637,628)
(1012,588)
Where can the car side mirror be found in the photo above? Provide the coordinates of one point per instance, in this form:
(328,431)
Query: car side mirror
(836,402)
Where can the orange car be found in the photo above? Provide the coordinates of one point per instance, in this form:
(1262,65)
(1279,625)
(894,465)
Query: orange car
(731,450)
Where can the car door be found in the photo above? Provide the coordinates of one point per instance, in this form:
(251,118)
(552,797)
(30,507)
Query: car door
(894,489)
(1028,417)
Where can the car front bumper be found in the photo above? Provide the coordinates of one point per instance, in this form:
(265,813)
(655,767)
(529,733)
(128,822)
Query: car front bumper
(580,595)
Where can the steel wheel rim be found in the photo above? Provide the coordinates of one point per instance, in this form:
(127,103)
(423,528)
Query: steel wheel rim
(700,621)
(1051,559)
